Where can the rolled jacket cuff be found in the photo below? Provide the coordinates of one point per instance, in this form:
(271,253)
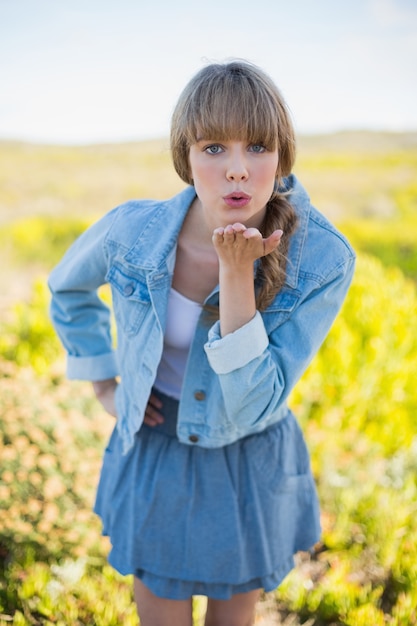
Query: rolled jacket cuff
(94,368)
(236,349)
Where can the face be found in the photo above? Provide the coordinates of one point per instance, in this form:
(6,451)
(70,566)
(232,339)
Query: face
(233,180)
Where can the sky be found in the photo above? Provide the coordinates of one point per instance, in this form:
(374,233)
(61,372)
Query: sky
(94,71)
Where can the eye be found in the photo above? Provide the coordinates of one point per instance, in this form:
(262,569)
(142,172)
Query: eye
(214,148)
(257,148)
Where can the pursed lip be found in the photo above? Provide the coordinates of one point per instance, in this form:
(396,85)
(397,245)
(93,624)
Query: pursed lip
(237,195)
(237,199)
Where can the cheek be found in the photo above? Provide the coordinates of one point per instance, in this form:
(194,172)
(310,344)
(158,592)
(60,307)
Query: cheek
(268,175)
(274,171)
(201,185)
(196,171)
(193,169)
(204,177)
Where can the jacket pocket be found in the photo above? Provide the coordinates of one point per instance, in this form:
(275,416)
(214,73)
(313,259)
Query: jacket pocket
(281,308)
(131,299)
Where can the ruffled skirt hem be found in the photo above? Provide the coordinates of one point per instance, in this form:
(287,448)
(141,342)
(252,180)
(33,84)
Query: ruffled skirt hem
(174,589)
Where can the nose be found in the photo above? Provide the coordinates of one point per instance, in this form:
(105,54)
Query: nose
(237,166)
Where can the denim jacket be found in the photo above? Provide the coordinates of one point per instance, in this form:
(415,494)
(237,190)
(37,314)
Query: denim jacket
(234,385)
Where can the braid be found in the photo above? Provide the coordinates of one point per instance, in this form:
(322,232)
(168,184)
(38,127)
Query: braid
(271,273)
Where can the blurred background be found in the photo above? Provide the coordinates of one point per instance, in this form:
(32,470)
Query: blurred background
(87,89)
(98,71)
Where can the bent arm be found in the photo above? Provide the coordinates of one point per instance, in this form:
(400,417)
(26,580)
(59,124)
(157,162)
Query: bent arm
(259,364)
(80,317)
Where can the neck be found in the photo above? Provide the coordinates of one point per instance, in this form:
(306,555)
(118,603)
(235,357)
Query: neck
(196,226)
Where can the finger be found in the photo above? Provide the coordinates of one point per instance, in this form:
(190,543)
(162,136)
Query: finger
(238,227)
(217,237)
(152,415)
(272,242)
(252,233)
(153,419)
(229,234)
(155,401)
(149,421)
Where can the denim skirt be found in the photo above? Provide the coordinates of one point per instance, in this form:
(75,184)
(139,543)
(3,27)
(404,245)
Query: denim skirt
(191,521)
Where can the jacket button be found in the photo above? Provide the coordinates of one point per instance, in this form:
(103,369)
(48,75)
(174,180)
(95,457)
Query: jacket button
(193,438)
(129,289)
(200,395)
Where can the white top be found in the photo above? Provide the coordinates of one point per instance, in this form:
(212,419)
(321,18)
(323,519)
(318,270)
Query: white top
(182,318)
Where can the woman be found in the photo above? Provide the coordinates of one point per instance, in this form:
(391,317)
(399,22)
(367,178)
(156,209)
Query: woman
(222,295)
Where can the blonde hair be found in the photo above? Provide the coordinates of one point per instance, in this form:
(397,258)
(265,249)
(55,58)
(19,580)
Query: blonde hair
(238,101)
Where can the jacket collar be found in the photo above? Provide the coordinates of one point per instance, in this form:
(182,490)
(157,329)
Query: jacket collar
(167,217)
(301,202)
(161,231)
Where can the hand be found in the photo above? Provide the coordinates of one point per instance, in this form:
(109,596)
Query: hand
(236,245)
(237,248)
(105,390)
(152,416)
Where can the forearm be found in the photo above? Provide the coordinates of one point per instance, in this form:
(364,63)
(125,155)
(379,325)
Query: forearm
(104,391)
(237,305)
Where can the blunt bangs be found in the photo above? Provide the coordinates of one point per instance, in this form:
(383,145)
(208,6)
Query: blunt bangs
(232,107)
